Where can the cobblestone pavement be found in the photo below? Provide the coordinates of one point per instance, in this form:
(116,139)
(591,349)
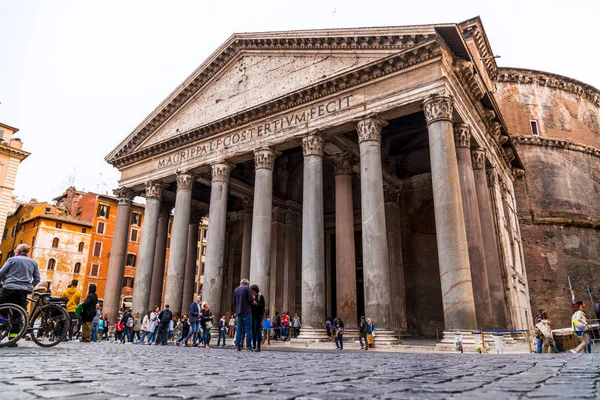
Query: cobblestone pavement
(108,371)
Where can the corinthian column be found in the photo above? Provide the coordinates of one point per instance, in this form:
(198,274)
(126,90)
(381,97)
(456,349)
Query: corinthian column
(160,253)
(118,251)
(313,241)
(376,271)
(189,280)
(391,195)
(345,256)
(490,241)
(215,245)
(260,254)
(453,252)
(479,275)
(143,274)
(179,232)
(246,238)
(289,264)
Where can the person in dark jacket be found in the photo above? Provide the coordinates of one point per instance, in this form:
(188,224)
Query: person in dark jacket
(88,312)
(206,321)
(243,300)
(362,333)
(164,319)
(258,311)
(185,331)
(277,326)
(194,319)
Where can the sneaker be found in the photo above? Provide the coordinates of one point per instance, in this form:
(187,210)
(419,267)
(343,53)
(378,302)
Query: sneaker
(257,351)
(573,351)
(177,344)
(238,348)
(250,350)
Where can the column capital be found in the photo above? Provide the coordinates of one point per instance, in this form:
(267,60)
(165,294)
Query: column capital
(278,214)
(248,204)
(154,190)
(518,173)
(292,218)
(462,135)
(220,171)
(369,128)
(312,144)
(264,157)
(438,107)
(391,194)
(478,158)
(492,177)
(124,195)
(342,164)
(185,181)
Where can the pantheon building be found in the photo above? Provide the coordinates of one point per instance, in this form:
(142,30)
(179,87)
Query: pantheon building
(371,171)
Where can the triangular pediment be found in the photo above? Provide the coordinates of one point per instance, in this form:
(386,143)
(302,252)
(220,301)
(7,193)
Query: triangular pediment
(249,70)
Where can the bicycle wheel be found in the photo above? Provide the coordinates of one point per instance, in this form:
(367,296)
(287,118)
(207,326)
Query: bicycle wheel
(49,325)
(13,324)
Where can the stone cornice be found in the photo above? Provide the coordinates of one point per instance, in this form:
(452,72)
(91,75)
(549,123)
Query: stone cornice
(562,144)
(474,28)
(14,152)
(408,57)
(533,77)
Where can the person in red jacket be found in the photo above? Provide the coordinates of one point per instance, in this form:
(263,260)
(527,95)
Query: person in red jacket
(119,327)
(285,326)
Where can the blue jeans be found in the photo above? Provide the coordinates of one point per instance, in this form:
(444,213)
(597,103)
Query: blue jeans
(145,335)
(540,342)
(339,341)
(152,336)
(222,335)
(194,327)
(127,334)
(244,322)
(205,340)
(94,331)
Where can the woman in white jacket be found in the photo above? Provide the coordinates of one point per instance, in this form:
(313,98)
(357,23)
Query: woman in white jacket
(145,325)
(153,325)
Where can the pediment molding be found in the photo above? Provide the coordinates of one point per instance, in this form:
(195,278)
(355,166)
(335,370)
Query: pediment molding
(416,49)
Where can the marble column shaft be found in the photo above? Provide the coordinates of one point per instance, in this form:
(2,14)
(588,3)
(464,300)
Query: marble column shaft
(451,235)
(143,273)
(313,236)
(277,260)
(215,245)
(479,275)
(160,253)
(246,238)
(178,249)
(490,240)
(189,280)
(289,264)
(262,216)
(394,237)
(118,252)
(376,273)
(345,255)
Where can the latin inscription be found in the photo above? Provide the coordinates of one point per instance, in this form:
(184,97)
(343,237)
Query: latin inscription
(265,129)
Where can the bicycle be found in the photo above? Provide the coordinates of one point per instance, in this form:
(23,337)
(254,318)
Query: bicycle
(47,325)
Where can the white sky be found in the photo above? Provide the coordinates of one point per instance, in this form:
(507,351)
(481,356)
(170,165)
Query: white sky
(76,77)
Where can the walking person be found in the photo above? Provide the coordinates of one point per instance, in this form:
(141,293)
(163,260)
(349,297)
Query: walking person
(362,333)
(73,296)
(119,328)
(540,339)
(105,332)
(153,325)
(184,326)
(88,313)
(370,333)
(222,331)
(145,328)
(285,325)
(96,323)
(231,332)
(581,327)
(546,332)
(267,331)
(328,327)
(296,325)
(277,326)
(194,319)
(206,322)
(339,334)
(165,317)
(243,300)
(20,274)
(258,311)
(128,322)
(137,327)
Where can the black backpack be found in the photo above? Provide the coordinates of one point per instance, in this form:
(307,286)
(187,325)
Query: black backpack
(167,317)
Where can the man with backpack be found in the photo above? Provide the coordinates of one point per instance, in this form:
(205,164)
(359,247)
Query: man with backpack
(165,317)
(128,322)
(362,333)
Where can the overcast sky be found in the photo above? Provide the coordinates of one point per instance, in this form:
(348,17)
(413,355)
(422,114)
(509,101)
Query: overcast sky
(77,76)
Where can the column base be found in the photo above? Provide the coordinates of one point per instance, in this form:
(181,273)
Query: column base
(312,335)
(469,341)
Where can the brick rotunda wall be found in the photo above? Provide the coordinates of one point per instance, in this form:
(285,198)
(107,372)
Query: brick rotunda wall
(559,198)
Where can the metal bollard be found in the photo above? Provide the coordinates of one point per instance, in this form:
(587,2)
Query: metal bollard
(529,341)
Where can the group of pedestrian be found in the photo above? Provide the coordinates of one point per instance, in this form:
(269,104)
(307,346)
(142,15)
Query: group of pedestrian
(336,330)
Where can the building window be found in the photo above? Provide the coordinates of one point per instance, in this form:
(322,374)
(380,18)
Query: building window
(78,211)
(202,271)
(5,234)
(168,243)
(80,248)
(51,264)
(77,268)
(206,234)
(47,210)
(130,260)
(83,230)
(203,250)
(136,219)
(103,211)
(170,224)
(94,270)
(14,231)
(100,228)
(128,282)
(134,235)
(534,128)
(97,249)
(55,242)
(58,225)
(33,241)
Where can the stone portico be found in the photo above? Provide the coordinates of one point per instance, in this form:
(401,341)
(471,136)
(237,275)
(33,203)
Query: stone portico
(346,172)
